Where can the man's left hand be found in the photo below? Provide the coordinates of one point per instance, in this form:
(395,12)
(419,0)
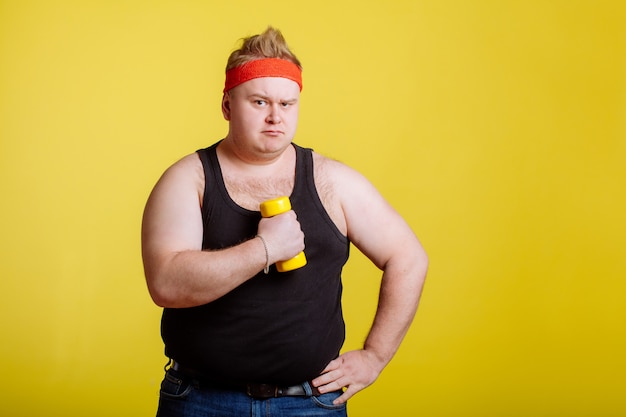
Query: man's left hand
(354,371)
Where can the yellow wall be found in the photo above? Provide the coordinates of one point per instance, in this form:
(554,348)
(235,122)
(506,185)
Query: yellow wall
(497,128)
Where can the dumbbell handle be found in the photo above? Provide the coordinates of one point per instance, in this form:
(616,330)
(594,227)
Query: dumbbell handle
(271,208)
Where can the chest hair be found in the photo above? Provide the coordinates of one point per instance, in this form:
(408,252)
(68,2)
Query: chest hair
(250,192)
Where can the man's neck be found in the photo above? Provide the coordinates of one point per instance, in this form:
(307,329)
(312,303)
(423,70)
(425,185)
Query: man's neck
(250,182)
(248,162)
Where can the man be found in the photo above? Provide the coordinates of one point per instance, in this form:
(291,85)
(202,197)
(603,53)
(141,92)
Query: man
(243,341)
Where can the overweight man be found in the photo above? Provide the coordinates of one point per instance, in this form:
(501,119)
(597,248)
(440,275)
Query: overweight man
(243,338)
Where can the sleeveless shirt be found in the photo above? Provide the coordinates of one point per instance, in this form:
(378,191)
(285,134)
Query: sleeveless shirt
(281,328)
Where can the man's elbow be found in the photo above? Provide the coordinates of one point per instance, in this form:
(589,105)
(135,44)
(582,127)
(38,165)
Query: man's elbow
(423,262)
(161,295)
(161,281)
(161,286)
(416,266)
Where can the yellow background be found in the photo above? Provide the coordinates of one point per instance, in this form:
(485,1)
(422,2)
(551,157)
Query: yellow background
(498,128)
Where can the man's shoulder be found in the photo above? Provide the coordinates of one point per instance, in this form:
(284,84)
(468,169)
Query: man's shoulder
(187,169)
(332,167)
(326,161)
(188,162)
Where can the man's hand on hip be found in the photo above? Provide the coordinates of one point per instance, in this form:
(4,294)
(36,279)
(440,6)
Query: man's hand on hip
(354,371)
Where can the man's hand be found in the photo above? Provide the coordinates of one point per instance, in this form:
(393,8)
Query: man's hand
(283,235)
(354,370)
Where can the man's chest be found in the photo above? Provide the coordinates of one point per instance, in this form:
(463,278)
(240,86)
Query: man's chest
(250,192)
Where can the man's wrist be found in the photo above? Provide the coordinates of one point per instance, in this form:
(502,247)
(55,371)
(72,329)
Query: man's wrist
(266,269)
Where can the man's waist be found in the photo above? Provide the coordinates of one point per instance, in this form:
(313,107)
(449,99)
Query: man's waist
(252,389)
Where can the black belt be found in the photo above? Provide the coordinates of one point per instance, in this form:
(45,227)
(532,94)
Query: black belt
(252,389)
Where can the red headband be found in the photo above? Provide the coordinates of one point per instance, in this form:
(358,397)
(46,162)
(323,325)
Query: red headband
(266,67)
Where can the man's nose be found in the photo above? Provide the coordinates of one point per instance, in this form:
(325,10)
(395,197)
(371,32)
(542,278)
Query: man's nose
(274,115)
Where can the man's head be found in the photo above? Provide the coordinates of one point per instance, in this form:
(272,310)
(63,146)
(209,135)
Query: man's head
(261,96)
(263,55)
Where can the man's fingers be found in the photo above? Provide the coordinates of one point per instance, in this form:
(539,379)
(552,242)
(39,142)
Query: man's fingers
(347,394)
(327,379)
(332,387)
(329,373)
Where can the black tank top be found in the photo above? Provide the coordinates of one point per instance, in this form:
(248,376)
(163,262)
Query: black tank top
(280,328)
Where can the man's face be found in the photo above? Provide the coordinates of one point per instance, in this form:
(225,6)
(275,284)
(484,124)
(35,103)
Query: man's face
(263,114)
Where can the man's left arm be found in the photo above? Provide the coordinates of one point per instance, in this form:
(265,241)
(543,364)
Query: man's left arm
(378,231)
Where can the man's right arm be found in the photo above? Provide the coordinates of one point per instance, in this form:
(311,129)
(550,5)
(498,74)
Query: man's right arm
(178,272)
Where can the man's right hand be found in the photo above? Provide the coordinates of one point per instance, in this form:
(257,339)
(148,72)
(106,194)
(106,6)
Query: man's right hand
(283,236)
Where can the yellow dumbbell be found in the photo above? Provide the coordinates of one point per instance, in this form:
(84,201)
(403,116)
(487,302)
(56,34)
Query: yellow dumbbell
(272,208)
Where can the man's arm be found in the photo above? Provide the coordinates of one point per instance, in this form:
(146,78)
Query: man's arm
(178,272)
(378,231)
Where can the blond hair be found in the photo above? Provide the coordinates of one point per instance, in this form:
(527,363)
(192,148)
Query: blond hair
(269,44)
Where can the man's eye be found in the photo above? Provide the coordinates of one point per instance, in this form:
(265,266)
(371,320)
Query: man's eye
(260,102)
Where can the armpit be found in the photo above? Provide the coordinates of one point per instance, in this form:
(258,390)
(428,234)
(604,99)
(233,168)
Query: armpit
(322,172)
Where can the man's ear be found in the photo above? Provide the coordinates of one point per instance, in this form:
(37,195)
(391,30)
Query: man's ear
(226,105)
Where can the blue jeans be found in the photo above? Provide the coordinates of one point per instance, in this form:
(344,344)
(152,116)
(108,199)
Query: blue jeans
(182,396)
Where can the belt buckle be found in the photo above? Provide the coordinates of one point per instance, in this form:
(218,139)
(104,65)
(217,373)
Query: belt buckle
(263,390)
